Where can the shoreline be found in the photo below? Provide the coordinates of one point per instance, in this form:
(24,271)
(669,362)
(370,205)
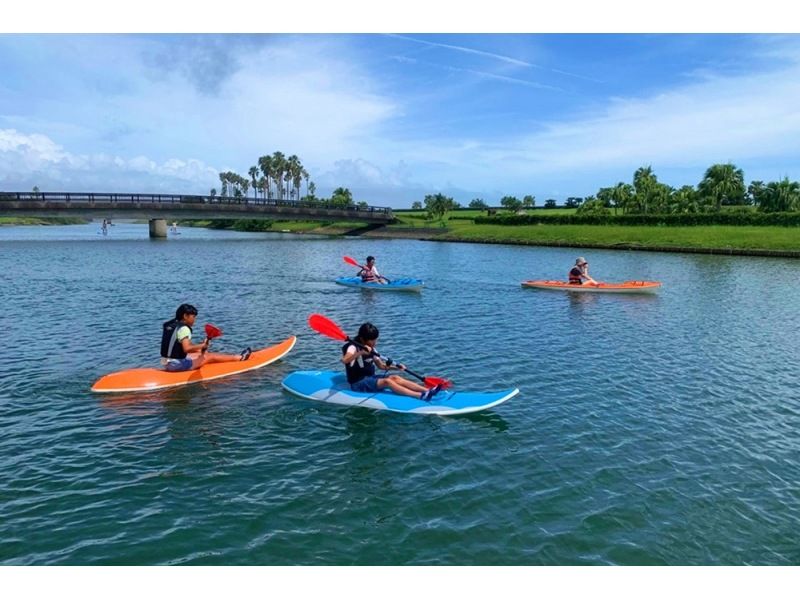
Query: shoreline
(448,236)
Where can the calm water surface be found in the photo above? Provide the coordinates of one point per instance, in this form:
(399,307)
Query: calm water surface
(648,430)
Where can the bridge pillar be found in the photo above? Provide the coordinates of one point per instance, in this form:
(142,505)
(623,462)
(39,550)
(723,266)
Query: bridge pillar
(158,228)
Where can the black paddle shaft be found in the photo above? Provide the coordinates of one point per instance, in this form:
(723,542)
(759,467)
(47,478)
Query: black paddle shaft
(388,360)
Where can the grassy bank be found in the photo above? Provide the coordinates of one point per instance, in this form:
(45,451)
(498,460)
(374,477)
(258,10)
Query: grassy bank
(462,228)
(32,221)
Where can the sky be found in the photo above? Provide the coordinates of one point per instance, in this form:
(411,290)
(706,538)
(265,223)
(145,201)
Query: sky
(394,117)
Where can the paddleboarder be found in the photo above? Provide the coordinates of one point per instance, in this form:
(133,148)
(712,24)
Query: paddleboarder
(178,354)
(360,362)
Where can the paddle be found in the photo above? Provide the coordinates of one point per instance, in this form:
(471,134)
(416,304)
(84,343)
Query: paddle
(352,262)
(329,328)
(212,332)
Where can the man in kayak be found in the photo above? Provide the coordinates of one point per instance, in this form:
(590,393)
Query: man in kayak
(360,368)
(580,273)
(178,354)
(369,273)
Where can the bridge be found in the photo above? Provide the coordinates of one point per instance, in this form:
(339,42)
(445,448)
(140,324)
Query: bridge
(160,208)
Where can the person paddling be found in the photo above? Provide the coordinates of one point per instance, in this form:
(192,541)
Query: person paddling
(360,365)
(580,272)
(178,354)
(369,273)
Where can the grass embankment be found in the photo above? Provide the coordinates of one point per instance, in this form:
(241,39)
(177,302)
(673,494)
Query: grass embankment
(31,220)
(458,226)
(773,238)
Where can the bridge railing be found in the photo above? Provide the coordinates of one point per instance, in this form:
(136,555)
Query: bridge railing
(69,197)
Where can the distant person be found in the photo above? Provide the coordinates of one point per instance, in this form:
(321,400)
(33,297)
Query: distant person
(369,273)
(178,354)
(580,272)
(174,227)
(360,368)
(104,228)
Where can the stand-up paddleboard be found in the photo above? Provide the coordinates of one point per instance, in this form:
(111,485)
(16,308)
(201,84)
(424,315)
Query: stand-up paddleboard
(629,286)
(145,379)
(397,284)
(332,387)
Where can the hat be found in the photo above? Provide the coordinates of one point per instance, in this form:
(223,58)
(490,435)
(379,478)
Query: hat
(580,261)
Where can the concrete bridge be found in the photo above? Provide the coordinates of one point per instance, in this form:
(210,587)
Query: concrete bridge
(160,208)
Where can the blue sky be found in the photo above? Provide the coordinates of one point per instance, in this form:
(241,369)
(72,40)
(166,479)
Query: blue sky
(395,117)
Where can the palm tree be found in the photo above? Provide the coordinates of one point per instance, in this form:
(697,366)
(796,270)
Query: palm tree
(724,184)
(783,196)
(622,196)
(644,183)
(253,172)
(278,163)
(265,165)
(293,168)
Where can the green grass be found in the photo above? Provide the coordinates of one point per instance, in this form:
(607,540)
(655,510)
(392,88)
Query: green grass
(739,237)
(32,220)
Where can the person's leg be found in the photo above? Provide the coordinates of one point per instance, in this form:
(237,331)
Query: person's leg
(409,384)
(206,358)
(397,388)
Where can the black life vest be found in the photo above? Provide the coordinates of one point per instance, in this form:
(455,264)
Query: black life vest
(575,275)
(170,347)
(358,371)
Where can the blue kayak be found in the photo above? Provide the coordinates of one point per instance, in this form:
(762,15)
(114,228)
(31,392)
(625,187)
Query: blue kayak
(332,387)
(397,284)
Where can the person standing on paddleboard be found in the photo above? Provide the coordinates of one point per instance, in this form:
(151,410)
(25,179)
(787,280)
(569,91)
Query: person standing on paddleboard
(178,354)
(369,273)
(360,365)
(580,272)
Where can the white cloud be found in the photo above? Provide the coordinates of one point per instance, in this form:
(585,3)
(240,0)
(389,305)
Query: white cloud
(36,159)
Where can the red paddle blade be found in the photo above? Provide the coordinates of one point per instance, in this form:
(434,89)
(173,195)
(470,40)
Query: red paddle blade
(431,381)
(326,327)
(351,261)
(212,331)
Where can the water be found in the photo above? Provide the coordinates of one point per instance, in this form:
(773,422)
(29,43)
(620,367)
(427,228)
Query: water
(648,430)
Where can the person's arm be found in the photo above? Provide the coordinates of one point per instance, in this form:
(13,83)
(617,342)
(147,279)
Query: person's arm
(188,347)
(587,277)
(354,353)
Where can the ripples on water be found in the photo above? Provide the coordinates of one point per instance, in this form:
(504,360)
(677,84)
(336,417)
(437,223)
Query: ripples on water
(649,430)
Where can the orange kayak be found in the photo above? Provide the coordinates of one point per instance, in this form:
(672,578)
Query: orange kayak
(152,379)
(629,286)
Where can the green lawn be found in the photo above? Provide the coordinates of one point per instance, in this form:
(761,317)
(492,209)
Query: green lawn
(740,237)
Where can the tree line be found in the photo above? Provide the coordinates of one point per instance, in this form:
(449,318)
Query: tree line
(279,177)
(722,185)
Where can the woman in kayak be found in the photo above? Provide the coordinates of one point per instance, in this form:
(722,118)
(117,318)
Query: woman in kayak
(178,354)
(360,368)
(580,272)
(369,273)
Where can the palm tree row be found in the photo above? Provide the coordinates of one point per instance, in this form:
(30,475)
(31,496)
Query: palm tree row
(722,184)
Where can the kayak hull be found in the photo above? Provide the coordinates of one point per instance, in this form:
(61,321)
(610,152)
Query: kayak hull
(397,284)
(332,387)
(148,379)
(629,286)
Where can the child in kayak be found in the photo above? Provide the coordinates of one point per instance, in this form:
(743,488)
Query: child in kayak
(369,273)
(360,367)
(580,272)
(178,354)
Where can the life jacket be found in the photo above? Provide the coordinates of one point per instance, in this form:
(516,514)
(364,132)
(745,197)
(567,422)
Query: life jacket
(360,368)
(170,347)
(368,275)
(575,275)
